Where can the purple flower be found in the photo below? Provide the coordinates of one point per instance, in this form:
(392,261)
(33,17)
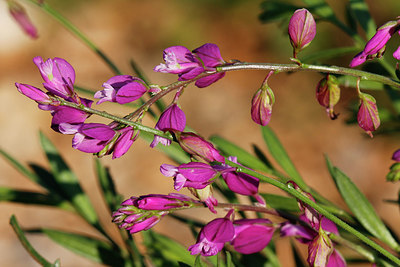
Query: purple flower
(127,136)
(368,116)
(328,94)
(121,89)
(240,183)
(252,235)
(59,77)
(212,237)
(211,57)
(89,137)
(21,17)
(261,104)
(197,146)
(35,94)
(179,60)
(172,119)
(193,174)
(396,155)
(375,47)
(302,30)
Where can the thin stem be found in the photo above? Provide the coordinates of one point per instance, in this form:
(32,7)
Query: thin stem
(74,30)
(292,191)
(316,68)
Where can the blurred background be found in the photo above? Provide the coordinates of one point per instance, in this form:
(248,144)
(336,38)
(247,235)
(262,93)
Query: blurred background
(140,30)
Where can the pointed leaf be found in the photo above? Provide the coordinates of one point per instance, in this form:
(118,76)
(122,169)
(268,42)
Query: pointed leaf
(33,198)
(24,241)
(361,207)
(244,157)
(92,248)
(68,182)
(112,198)
(359,10)
(280,155)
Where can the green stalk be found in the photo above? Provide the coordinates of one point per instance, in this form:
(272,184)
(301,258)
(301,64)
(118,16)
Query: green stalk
(74,30)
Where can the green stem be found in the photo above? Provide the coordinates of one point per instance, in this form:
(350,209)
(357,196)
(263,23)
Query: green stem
(316,68)
(74,30)
(292,191)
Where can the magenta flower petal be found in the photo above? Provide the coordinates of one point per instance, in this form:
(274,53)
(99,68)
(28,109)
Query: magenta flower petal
(130,92)
(33,93)
(252,238)
(208,80)
(98,131)
(210,55)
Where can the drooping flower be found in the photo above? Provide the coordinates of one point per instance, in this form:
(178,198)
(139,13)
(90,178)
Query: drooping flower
(121,89)
(368,116)
(193,174)
(252,235)
(22,18)
(302,30)
(328,94)
(197,146)
(172,119)
(213,237)
(375,47)
(261,104)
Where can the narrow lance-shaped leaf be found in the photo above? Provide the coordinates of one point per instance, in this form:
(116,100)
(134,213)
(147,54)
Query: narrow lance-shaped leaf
(280,155)
(359,10)
(361,207)
(68,182)
(24,241)
(112,198)
(33,198)
(89,247)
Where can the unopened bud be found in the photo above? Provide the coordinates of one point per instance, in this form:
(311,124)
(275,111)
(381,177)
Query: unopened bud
(328,94)
(368,116)
(302,30)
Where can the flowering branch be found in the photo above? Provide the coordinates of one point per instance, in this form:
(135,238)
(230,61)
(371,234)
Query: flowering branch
(306,67)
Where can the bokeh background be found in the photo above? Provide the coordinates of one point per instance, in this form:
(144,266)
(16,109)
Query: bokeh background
(140,30)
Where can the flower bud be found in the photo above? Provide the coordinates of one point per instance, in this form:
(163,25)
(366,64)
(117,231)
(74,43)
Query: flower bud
(328,94)
(394,173)
(302,30)
(21,17)
(368,116)
(195,145)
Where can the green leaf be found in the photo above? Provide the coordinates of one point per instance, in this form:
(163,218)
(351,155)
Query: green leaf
(33,198)
(281,202)
(361,207)
(166,250)
(24,241)
(174,151)
(242,155)
(359,10)
(280,155)
(273,10)
(112,198)
(92,248)
(68,182)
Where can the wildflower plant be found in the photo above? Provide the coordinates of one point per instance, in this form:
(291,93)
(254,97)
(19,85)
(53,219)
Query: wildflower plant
(209,173)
